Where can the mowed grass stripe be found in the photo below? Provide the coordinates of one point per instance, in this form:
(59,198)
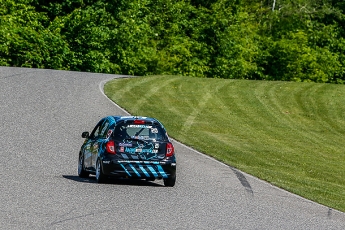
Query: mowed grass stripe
(330,104)
(289,134)
(307,117)
(149,91)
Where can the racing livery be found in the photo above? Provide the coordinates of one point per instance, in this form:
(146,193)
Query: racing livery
(128,147)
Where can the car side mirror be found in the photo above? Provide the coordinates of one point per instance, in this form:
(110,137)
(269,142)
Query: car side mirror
(85,135)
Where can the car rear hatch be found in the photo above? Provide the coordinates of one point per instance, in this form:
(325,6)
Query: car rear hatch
(140,140)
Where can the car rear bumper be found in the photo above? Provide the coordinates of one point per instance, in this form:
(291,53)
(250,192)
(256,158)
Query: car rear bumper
(139,169)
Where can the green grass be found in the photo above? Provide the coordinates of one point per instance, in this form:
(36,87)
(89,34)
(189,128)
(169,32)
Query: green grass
(287,133)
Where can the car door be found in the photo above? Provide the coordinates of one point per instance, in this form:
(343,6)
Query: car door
(90,146)
(98,144)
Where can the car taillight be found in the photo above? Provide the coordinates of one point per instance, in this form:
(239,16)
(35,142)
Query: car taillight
(110,147)
(170,150)
(139,122)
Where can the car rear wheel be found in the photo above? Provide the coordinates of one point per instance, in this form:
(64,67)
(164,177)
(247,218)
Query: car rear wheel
(170,182)
(81,171)
(100,177)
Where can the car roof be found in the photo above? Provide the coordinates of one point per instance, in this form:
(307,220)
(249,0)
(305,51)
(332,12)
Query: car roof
(120,119)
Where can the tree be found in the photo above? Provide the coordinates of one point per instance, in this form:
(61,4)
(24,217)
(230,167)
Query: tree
(25,42)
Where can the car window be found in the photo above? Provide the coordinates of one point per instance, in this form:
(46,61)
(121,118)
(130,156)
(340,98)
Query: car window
(101,129)
(144,132)
(95,131)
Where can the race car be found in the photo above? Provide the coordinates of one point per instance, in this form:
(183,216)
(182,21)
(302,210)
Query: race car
(128,147)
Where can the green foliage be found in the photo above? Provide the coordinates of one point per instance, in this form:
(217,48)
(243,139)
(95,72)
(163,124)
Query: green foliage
(304,45)
(88,34)
(56,8)
(236,45)
(25,42)
(300,62)
(130,41)
(293,40)
(174,24)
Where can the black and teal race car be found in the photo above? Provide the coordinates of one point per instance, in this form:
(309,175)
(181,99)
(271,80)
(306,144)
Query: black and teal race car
(128,147)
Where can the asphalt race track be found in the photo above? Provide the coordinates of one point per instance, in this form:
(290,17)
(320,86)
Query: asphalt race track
(44,112)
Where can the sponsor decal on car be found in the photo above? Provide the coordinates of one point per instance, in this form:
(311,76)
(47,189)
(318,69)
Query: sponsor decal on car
(140,150)
(141,162)
(140,126)
(125,144)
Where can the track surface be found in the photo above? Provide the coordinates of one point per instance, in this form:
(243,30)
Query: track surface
(44,112)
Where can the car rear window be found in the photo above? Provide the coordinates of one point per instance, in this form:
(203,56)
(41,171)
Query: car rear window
(143,132)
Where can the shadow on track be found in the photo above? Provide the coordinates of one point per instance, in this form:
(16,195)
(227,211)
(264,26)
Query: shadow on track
(131,182)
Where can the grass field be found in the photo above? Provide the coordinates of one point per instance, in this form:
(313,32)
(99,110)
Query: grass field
(287,133)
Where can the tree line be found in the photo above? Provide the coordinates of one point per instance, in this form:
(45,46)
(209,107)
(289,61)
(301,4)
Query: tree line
(290,40)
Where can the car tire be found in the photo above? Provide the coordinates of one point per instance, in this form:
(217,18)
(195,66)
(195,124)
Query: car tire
(81,171)
(100,177)
(170,182)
